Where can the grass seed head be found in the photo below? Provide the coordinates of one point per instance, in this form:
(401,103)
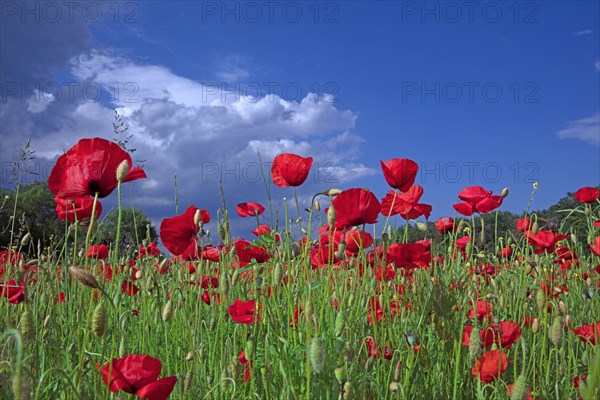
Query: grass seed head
(99,320)
(317,354)
(556,331)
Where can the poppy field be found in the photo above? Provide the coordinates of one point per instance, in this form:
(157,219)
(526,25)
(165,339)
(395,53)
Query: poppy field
(325,300)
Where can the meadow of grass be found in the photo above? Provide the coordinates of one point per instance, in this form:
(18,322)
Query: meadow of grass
(312,321)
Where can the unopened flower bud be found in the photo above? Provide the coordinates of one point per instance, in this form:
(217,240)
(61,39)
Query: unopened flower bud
(535,325)
(504,192)
(84,277)
(317,205)
(122,170)
(99,320)
(317,354)
(168,311)
(331,216)
(332,192)
(556,331)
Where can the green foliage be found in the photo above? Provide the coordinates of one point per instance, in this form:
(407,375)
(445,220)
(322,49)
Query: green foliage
(134,228)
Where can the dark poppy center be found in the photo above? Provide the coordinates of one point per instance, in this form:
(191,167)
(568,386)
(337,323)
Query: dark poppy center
(94,186)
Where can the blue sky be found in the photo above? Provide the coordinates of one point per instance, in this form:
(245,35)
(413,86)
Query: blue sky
(495,94)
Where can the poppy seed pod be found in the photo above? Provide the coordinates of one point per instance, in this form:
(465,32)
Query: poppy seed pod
(122,171)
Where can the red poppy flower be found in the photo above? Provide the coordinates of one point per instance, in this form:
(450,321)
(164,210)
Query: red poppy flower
(578,379)
(290,169)
(445,225)
(355,207)
(488,336)
(490,365)
(324,253)
(12,291)
(209,282)
(405,204)
(544,240)
(246,252)
(586,333)
(211,253)
(523,224)
(510,332)
(129,288)
(138,374)
(483,308)
(90,167)
(79,209)
(179,233)
(409,255)
(243,311)
(249,209)
(98,251)
(595,247)
(151,250)
(587,195)
(247,365)
(356,239)
(597,224)
(263,229)
(400,173)
(477,199)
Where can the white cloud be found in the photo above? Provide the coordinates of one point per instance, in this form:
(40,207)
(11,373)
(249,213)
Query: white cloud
(583,32)
(586,129)
(597,65)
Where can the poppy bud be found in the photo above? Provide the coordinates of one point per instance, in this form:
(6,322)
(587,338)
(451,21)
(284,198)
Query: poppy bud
(225,383)
(540,299)
(277,273)
(249,348)
(235,368)
(27,326)
(393,387)
(331,216)
(421,226)
(535,227)
(340,375)
(504,192)
(84,277)
(535,185)
(475,344)
(122,170)
(139,274)
(556,331)
(190,355)
(209,379)
(309,311)
(221,231)
(26,239)
(562,307)
(332,192)
(187,382)
(122,348)
(519,391)
(340,323)
(535,325)
(99,320)
(348,352)
(224,282)
(347,391)
(397,371)
(317,354)
(47,321)
(573,238)
(369,364)
(317,205)
(167,311)
(197,217)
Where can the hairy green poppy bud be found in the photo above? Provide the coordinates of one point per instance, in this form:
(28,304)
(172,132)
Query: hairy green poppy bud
(249,348)
(26,239)
(348,352)
(167,311)
(556,331)
(235,368)
(221,231)
(504,192)
(535,227)
(421,226)
(347,391)
(369,364)
(397,371)
(393,387)
(331,216)
(190,355)
(225,383)
(84,277)
(197,217)
(317,205)
(340,323)
(27,327)
(317,354)
(340,375)
(187,382)
(122,348)
(519,391)
(562,307)
(540,299)
(535,325)
(99,320)
(475,344)
(277,274)
(122,170)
